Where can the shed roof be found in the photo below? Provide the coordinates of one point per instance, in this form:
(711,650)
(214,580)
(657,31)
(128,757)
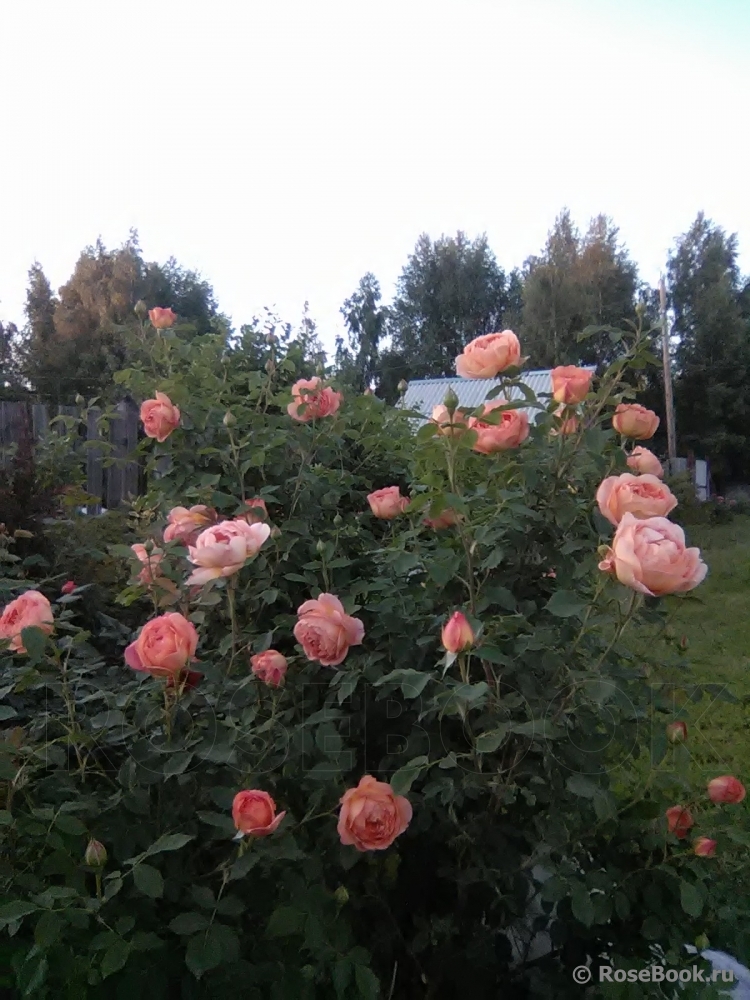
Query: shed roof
(423,394)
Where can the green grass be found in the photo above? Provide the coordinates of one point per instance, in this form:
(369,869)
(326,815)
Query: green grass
(717,627)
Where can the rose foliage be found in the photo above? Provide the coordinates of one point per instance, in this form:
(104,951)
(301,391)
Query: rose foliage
(356,748)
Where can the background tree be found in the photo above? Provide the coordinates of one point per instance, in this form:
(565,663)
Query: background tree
(11,381)
(76,340)
(450,291)
(366,322)
(712,386)
(576,282)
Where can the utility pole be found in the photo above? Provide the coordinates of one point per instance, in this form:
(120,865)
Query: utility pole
(668,399)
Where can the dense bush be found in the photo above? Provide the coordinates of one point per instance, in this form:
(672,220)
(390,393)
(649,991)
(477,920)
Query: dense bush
(534,758)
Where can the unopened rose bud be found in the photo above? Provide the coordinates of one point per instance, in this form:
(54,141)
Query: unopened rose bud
(140,309)
(68,588)
(702,942)
(640,309)
(96,854)
(704,847)
(402,386)
(79,399)
(269,366)
(457,633)
(320,546)
(683,642)
(341,895)
(338,520)
(450,402)
(275,532)
(229,419)
(677,731)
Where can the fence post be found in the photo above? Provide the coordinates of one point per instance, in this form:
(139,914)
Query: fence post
(94,468)
(122,477)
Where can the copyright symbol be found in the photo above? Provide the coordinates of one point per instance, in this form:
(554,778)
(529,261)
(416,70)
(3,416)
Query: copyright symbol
(581,974)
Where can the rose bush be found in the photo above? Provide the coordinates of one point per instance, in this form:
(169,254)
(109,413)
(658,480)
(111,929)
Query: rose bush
(427,800)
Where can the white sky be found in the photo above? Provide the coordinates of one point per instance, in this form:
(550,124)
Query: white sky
(285,147)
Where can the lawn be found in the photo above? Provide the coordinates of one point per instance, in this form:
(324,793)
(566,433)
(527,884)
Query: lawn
(717,628)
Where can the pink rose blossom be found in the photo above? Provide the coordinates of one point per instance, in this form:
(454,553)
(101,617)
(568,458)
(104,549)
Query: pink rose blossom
(223,549)
(325,631)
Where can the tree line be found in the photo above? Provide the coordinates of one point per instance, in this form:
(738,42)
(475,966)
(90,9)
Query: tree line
(450,290)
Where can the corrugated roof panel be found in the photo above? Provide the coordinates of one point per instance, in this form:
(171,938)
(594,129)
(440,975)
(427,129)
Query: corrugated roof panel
(423,394)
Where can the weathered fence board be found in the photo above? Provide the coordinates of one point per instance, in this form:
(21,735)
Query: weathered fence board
(111,484)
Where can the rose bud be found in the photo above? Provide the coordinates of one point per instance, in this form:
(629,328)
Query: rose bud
(254,813)
(704,847)
(679,821)
(726,790)
(635,421)
(270,667)
(96,854)
(570,384)
(68,588)
(643,461)
(457,633)
(162,319)
(677,731)
(387,503)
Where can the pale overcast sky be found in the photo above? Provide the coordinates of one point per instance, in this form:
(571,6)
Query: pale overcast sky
(285,147)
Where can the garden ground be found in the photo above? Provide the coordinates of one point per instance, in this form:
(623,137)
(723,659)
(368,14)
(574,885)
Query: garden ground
(716,623)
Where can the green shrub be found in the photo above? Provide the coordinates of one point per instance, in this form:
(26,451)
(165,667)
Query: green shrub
(521,758)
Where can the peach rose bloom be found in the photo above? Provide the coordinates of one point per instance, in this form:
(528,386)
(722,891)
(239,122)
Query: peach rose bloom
(650,556)
(642,496)
(30,610)
(387,503)
(447,518)
(570,384)
(679,821)
(726,789)
(165,646)
(160,417)
(254,813)
(488,355)
(325,631)
(269,667)
(162,319)
(223,549)
(372,816)
(511,430)
(704,847)
(644,462)
(635,421)
(318,402)
(446,425)
(457,634)
(184,525)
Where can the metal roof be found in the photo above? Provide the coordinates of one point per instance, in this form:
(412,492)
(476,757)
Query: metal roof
(423,394)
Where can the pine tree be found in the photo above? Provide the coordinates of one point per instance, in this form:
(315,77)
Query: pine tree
(712,389)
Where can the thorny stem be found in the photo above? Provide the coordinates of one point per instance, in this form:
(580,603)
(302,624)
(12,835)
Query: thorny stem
(233,621)
(466,541)
(236,462)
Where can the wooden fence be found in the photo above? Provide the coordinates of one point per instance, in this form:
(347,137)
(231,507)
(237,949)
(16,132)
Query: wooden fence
(111,473)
